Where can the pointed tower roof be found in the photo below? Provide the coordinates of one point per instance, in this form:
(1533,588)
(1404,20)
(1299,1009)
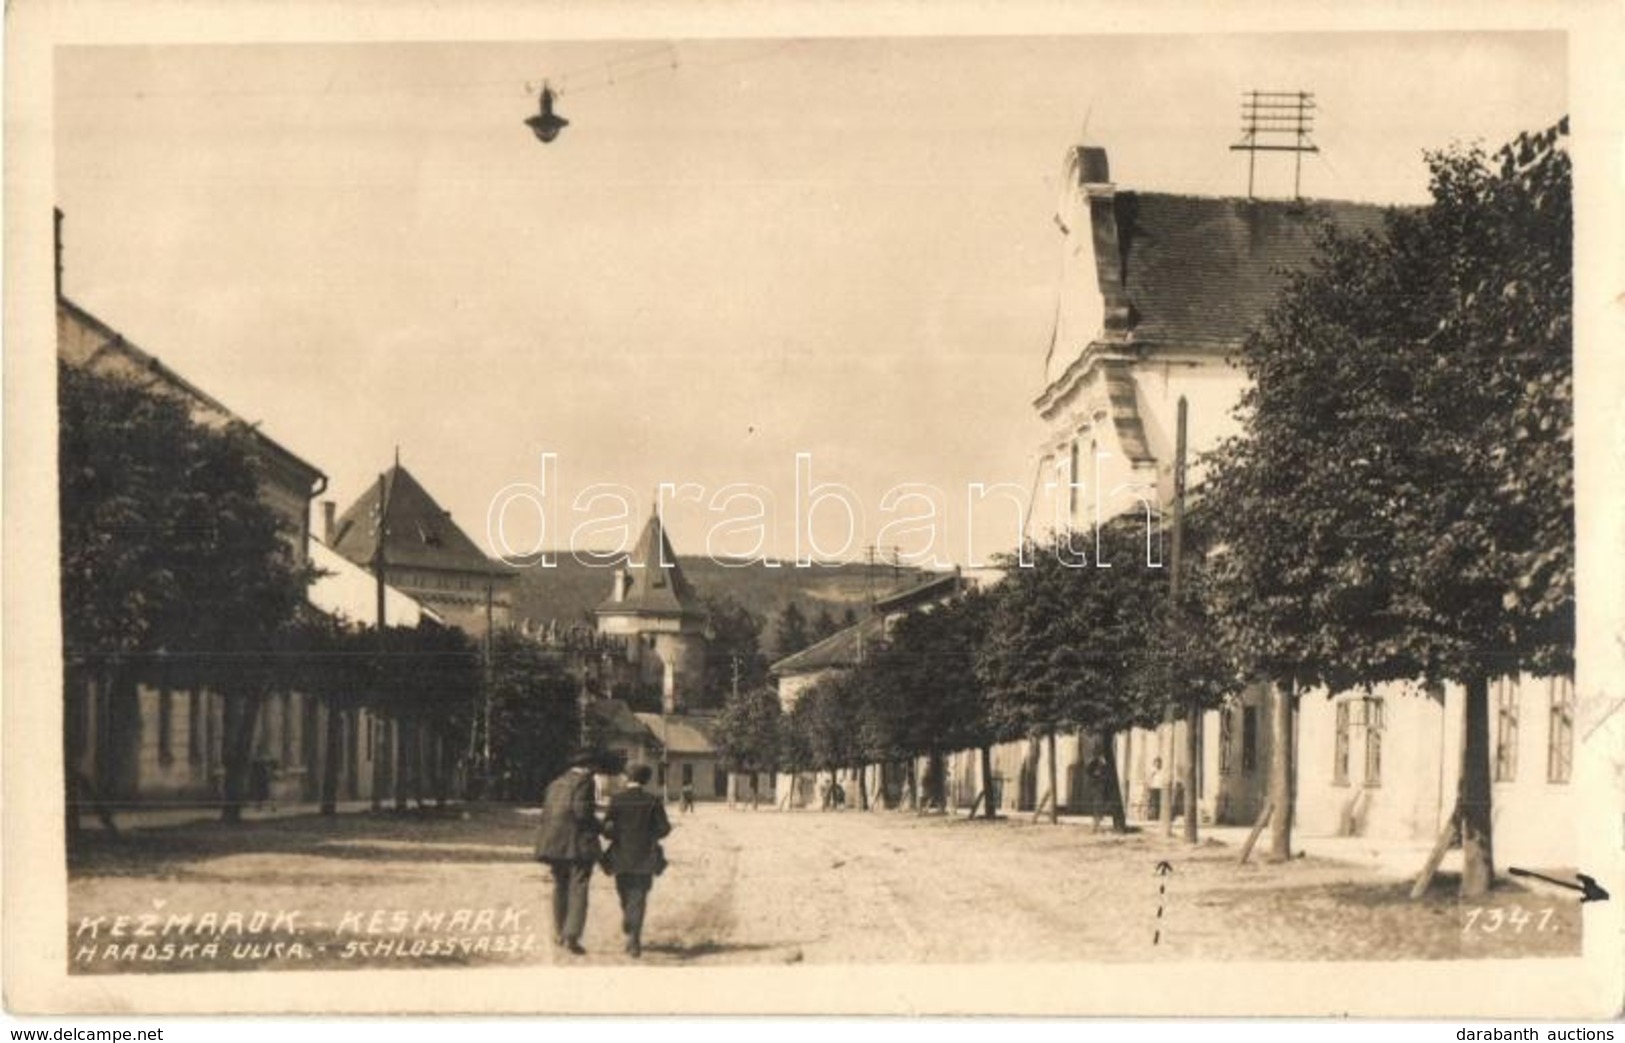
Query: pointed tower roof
(655,584)
(418,532)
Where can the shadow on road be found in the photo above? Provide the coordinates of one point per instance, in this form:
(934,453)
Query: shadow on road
(475,835)
(709,947)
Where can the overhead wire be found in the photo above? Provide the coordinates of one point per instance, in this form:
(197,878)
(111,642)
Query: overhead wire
(568,81)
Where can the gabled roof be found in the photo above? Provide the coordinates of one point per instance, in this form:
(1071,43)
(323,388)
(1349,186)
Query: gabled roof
(620,723)
(419,533)
(932,588)
(106,350)
(1203,269)
(681,732)
(849,646)
(656,584)
(845,648)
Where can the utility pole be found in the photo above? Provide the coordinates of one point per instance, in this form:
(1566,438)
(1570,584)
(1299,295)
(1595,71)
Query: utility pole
(379,568)
(485,684)
(1193,707)
(1277,115)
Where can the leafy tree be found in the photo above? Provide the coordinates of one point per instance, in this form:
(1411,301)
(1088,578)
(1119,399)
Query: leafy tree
(824,625)
(1400,504)
(1092,645)
(749,730)
(168,551)
(821,722)
(428,683)
(733,654)
(336,664)
(927,698)
(790,635)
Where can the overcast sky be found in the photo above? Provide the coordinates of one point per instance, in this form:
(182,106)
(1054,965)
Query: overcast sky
(737,251)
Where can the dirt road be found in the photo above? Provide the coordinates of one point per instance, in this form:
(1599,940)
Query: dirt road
(752,887)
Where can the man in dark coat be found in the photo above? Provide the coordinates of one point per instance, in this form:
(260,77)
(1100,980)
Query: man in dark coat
(568,843)
(635,822)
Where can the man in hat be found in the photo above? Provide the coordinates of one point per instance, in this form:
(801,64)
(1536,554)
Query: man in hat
(568,843)
(635,823)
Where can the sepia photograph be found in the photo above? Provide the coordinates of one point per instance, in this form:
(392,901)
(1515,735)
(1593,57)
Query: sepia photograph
(814,517)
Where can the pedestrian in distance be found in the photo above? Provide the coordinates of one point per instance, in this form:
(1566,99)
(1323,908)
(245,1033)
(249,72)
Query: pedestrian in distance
(1098,777)
(568,843)
(635,823)
(1155,783)
(687,795)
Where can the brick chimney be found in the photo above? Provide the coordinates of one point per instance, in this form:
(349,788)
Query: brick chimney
(329,521)
(1094,178)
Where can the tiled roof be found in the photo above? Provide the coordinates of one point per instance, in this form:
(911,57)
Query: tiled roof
(1201,269)
(848,646)
(419,533)
(933,588)
(619,722)
(681,733)
(658,586)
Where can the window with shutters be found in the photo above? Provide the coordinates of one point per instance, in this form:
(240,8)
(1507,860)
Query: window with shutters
(1560,735)
(1373,740)
(1340,749)
(1506,730)
(1074,479)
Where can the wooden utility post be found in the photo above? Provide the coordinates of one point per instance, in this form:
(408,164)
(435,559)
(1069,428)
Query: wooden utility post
(379,564)
(1165,753)
(1193,706)
(1054,791)
(486,682)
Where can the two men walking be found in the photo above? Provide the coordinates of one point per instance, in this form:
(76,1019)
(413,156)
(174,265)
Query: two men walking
(568,843)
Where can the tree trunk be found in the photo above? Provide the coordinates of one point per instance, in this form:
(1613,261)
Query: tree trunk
(1054,789)
(1281,755)
(441,770)
(1477,853)
(332,755)
(1193,764)
(400,734)
(75,704)
(863,787)
(1112,787)
(1165,751)
(987,781)
(375,748)
(242,714)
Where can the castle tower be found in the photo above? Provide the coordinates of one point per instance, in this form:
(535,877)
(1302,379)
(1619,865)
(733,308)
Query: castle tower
(652,606)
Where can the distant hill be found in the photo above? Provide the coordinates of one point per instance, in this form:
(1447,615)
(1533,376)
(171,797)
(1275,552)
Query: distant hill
(571,590)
